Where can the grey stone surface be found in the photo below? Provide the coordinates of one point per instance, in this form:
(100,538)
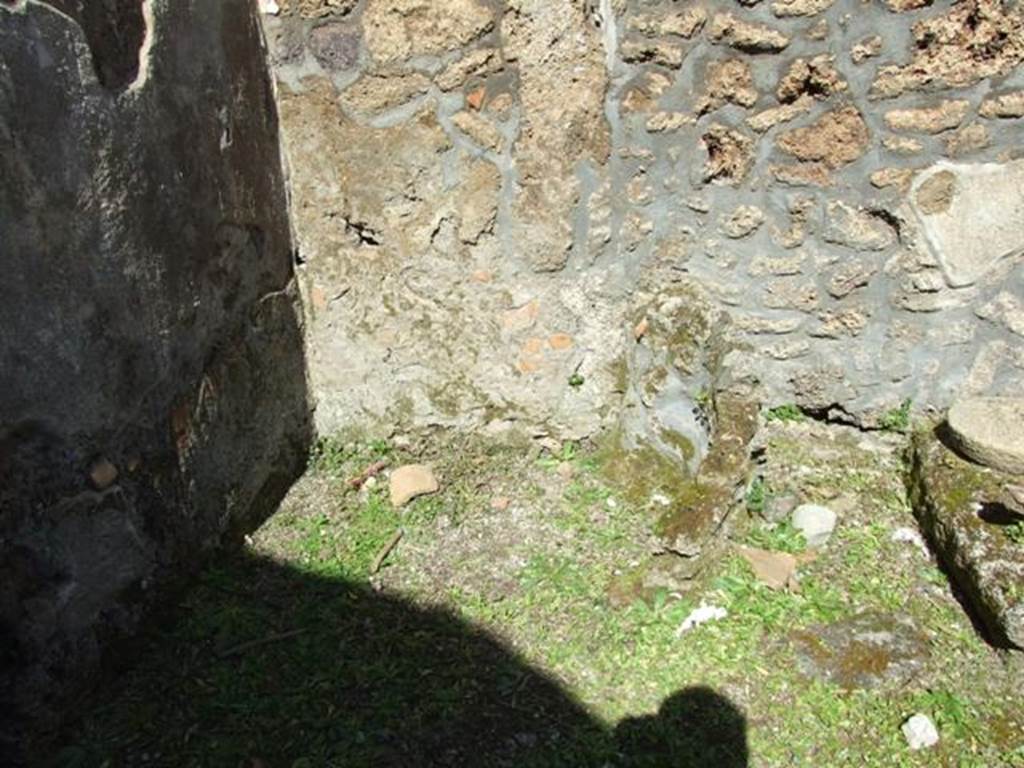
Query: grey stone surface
(534,170)
(962,510)
(972,216)
(866,651)
(152,389)
(815,522)
(990,431)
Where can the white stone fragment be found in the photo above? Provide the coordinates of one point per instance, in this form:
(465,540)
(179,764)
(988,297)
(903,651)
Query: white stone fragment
(920,732)
(701,615)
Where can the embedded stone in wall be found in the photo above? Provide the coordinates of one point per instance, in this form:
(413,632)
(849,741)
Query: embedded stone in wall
(784,8)
(769,118)
(335,46)
(728,81)
(476,63)
(1005,309)
(730,154)
(643,92)
(975,39)
(396,30)
(968,140)
(972,216)
(746,36)
(902,6)
(892,177)
(816,77)
(661,52)
(866,49)
(835,139)
(379,92)
(684,23)
(855,228)
(742,222)
(554,45)
(941,117)
(802,174)
(1005,105)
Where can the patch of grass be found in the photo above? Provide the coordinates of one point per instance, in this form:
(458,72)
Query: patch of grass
(757,497)
(337,456)
(954,715)
(784,413)
(782,537)
(1015,532)
(566,454)
(441,667)
(897,419)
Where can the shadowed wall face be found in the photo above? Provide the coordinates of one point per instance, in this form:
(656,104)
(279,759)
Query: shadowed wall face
(152,383)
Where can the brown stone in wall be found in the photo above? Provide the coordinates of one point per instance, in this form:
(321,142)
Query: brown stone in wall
(730,154)
(902,6)
(802,174)
(971,138)
(816,77)
(837,138)
(944,116)
(476,63)
(866,49)
(769,118)
(744,35)
(1006,105)
(899,178)
(378,92)
(396,30)
(685,23)
(642,93)
(975,39)
(783,8)
(661,52)
(728,81)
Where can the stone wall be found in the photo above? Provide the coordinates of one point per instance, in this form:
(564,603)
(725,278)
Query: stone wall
(499,202)
(152,382)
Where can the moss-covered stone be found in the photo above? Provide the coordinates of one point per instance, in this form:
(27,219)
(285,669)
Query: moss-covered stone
(642,471)
(959,507)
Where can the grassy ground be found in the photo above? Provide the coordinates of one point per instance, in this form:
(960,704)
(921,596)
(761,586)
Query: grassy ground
(496,634)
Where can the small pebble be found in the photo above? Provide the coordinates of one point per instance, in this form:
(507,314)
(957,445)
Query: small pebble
(920,732)
(103,474)
(815,522)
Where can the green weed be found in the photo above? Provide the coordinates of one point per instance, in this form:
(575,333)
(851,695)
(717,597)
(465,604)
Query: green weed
(782,537)
(757,497)
(897,419)
(784,413)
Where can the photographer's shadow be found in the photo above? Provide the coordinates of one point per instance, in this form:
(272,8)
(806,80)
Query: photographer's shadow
(272,666)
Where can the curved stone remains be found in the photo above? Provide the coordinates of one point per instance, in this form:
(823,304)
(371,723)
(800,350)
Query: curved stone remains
(990,431)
